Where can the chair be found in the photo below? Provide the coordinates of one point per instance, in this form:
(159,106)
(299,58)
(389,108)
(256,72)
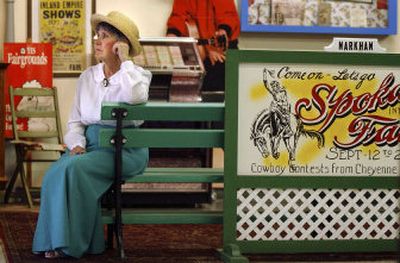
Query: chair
(38,111)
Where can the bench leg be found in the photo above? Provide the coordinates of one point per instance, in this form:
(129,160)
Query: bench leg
(120,246)
(118,139)
(110,236)
(118,216)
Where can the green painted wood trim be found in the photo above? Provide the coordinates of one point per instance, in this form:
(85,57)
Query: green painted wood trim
(206,170)
(177,177)
(28,134)
(231,253)
(319,246)
(312,57)
(169,111)
(33,92)
(181,175)
(312,182)
(14,118)
(58,118)
(230,158)
(172,138)
(35,114)
(167,217)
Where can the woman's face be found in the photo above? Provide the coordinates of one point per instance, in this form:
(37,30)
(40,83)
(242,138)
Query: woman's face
(103,45)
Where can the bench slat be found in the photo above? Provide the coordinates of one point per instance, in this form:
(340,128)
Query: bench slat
(158,111)
(185,170)
(176,176)
(179,175)
(164,138)
(188,216)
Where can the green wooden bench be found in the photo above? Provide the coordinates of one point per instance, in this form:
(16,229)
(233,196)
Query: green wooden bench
(162,138)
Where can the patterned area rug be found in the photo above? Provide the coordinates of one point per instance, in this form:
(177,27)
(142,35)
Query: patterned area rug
(157,243)
(4,254)
(143,243)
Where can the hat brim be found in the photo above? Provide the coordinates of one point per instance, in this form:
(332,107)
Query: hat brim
(136,47)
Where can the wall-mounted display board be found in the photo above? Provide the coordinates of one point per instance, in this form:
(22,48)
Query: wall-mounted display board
(312,152)
(373,17)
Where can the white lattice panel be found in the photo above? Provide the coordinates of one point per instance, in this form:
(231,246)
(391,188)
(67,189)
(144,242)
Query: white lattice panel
(318,214)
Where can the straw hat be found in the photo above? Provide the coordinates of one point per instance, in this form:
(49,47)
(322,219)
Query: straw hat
(123,24)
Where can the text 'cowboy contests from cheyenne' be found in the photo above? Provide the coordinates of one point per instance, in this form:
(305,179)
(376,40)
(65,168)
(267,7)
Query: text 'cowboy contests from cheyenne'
(358,169)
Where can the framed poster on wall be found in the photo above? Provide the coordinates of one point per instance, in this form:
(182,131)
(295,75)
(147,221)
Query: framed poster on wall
(373,17)
(312,152)
(66,25)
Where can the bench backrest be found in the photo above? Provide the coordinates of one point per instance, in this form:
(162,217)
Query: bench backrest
(167,137)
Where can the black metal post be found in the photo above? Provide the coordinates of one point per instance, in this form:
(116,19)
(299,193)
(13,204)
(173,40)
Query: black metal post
(118,140)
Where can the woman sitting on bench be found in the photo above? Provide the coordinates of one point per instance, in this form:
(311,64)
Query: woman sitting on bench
(69,222)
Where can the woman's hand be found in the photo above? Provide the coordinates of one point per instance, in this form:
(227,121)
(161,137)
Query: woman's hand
(121,49)
(77,150)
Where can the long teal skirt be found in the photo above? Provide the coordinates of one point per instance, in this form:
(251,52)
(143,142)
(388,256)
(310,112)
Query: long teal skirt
(70,210)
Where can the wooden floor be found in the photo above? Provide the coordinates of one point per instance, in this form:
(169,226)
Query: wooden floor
(14,206)
(17,208)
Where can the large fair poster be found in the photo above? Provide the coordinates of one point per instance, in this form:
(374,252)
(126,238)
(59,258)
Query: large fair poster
(318,120)
(30,67)
(64,24)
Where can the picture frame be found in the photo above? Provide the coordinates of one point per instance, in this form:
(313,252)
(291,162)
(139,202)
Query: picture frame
(357,1)
(361,17)
(65,24)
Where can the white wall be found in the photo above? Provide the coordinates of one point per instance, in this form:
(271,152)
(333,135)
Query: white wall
(151,15)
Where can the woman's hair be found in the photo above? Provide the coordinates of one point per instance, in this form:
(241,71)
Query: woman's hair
(113,31)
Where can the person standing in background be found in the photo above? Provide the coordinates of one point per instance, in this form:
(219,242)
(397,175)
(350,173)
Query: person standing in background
(215,19)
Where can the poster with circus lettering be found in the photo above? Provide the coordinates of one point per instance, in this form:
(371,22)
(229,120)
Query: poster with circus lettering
(30,67)
(64,24)
(320,119)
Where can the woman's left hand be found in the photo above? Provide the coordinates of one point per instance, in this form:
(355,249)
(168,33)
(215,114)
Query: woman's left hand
(77,150)
(121,49)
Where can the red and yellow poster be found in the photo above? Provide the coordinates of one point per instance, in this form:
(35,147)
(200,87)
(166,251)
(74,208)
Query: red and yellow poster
(319,120)
(63,24)
(30,67)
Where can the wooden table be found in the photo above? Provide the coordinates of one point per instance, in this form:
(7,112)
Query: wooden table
(3,178)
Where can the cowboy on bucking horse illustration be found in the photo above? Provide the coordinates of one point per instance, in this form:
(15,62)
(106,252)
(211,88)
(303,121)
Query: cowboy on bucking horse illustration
(278,122)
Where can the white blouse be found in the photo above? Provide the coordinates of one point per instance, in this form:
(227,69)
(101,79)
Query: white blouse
(130,85)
